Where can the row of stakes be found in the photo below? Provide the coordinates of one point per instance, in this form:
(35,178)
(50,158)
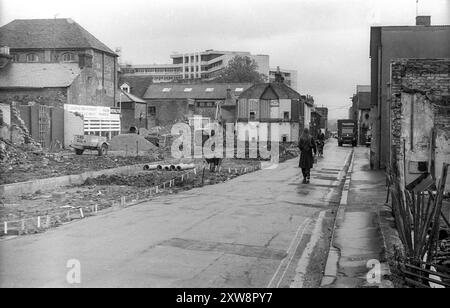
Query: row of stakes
(46,219)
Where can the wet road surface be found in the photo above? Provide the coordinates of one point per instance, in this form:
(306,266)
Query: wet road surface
(247,232)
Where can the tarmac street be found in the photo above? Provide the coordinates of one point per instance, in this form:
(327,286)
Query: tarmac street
(251,231)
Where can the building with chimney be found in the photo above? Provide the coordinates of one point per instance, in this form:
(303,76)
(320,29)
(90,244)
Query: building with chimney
(169,103)
(55,64)
(275,106)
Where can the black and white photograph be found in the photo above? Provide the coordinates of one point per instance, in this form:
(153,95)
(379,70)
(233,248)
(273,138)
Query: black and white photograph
(225,149)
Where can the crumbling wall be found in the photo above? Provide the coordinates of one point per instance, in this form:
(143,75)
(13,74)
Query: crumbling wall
(421,85)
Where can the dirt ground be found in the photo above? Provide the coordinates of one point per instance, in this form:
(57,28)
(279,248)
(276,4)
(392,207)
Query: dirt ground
(104,192)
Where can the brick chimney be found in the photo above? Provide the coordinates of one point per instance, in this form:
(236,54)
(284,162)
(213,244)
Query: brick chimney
(278,77)
(423,21)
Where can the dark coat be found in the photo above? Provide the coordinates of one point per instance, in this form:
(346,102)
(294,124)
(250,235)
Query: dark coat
(307,146)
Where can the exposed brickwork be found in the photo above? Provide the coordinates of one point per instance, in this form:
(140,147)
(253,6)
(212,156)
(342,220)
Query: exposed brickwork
(49,96)
(427,77)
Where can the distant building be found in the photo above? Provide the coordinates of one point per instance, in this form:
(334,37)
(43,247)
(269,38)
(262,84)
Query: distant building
(271,103)
(323,111)
(387,44)
(175,102)
(290,77)
(361,113)
(204,65)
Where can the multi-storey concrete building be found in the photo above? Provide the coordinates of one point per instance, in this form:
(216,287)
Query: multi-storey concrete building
(204,65)
(290,76)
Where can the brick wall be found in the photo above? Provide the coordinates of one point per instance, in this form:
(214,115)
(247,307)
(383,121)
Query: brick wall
(423,80)
(49,96)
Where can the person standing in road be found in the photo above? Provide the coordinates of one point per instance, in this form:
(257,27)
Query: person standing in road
(320,142)
(307,145)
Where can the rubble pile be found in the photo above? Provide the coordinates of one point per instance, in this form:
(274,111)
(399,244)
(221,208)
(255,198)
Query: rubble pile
(29,165)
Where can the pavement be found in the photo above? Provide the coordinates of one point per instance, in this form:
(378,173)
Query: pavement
(357,253)
(263,229)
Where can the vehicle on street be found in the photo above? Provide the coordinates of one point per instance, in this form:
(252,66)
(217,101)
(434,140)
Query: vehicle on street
(347,132)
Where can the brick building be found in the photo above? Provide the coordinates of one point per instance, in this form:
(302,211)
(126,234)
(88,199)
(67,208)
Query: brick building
(271,103)
(62,41)
(361,113)
(420,115)
(174,102)
(388,43)
(323,111)
(55,63)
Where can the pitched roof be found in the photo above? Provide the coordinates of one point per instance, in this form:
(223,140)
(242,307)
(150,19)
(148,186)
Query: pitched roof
(280,90)
(129,98)
(38,75)
(138,84)
(194,91)
(48,33)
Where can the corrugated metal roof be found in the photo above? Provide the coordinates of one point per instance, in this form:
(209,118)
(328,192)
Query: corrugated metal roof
(38,75)
(194,91)
(48,33)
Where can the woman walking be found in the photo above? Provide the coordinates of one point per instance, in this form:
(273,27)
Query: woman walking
(307,145)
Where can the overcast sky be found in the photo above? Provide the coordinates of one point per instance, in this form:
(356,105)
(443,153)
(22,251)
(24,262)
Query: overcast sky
(326,41)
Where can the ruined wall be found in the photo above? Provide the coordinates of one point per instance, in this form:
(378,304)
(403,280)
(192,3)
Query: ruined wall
(420,101)
(55,97)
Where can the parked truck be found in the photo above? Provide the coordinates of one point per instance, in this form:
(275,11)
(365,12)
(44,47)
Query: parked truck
(347,132)
(90,142)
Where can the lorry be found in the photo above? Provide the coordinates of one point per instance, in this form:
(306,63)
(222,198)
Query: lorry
(90,142)
(347,133)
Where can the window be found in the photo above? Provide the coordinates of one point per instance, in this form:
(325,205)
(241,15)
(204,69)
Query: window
(252,116)
(187,89)
(15,57)
(68,57)
(151,110)
(32,57)
(286,116)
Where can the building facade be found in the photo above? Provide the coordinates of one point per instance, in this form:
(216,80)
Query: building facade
(271,108)
(420,116)
(361,112)
(56,63)
(203,65)
(386,44)
(323,111)
(175,102)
